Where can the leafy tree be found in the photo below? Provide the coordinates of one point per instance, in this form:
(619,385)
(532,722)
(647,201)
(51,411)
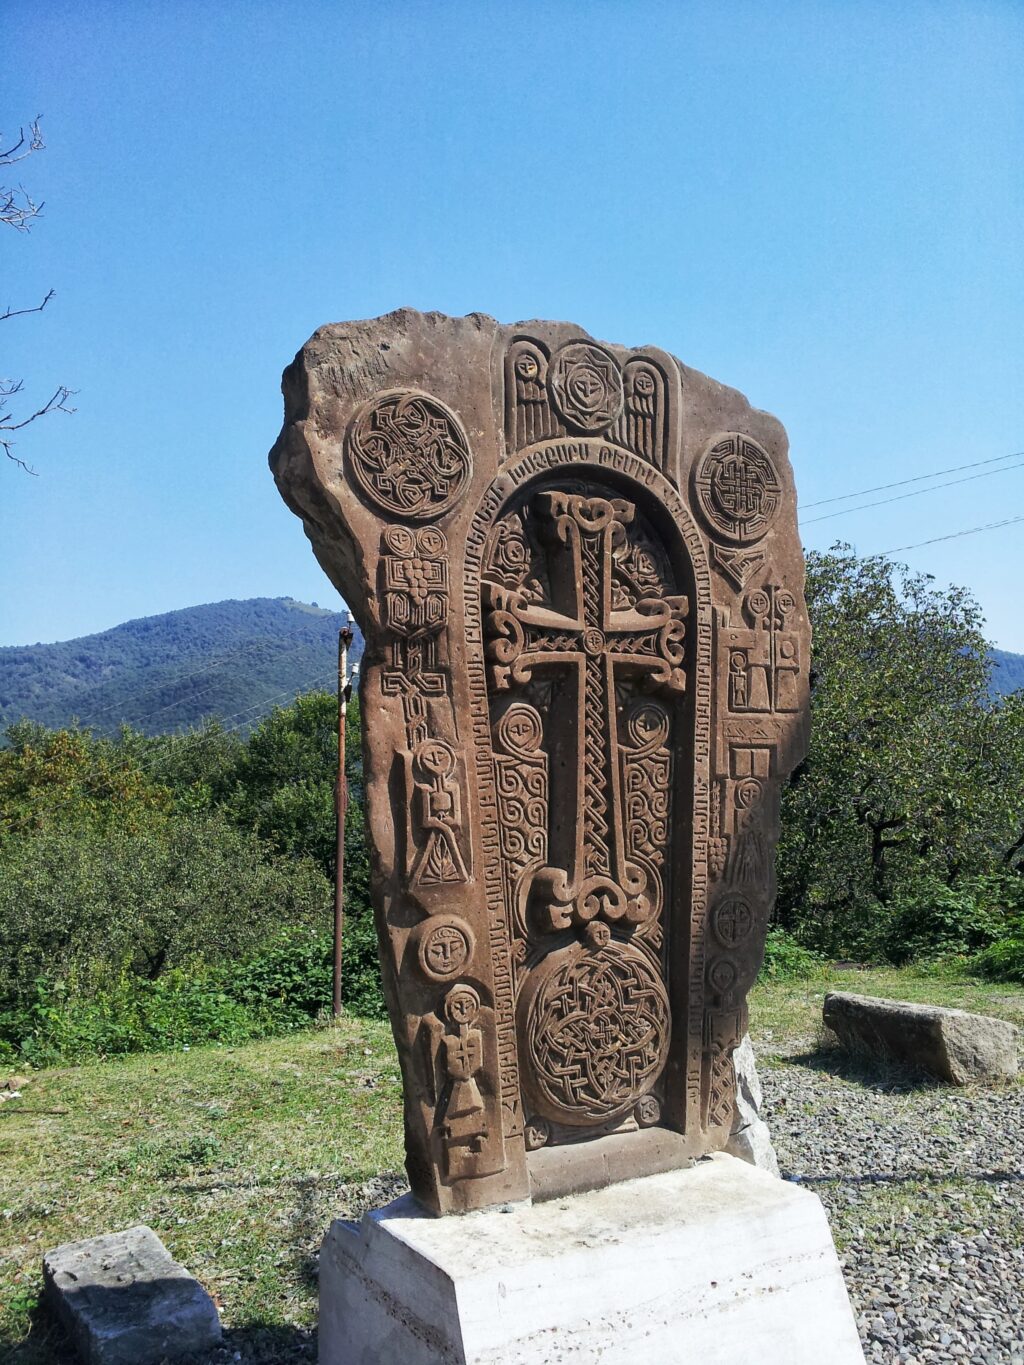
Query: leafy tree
(913,772)
(284,790)
(71,779)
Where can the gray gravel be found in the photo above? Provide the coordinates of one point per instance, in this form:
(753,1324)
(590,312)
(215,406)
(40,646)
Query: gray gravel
(924,1187)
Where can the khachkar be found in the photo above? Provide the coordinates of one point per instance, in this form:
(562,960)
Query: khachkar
(577,571)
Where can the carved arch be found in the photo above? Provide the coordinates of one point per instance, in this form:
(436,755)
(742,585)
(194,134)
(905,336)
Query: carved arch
(610,473)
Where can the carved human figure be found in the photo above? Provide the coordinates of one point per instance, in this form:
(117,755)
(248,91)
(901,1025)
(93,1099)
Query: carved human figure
(440,859)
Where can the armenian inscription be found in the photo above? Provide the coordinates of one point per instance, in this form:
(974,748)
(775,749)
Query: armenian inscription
(577,573)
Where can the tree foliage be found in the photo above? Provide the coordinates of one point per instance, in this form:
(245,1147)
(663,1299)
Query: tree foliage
(915,776)
(133,858)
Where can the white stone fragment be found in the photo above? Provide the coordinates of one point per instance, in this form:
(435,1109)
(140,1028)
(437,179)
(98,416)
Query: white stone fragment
(750,1139)
(716,1264)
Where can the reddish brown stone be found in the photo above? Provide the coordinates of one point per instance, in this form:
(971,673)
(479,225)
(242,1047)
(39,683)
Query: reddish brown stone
(577,571)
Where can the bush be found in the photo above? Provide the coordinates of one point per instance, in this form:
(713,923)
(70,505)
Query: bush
(786,959)
(88,905)
(936,920)
(59,1026)
(286,985)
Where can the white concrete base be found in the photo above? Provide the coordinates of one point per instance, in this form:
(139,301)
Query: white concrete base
(718,1264)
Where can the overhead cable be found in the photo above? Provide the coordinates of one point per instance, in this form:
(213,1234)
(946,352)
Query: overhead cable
(918,478)
(954,535)
(882,502)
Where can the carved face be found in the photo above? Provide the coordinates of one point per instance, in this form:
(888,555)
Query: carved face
(462,1005)
(527,367)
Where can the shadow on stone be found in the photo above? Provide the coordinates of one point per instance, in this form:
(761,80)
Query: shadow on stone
(47,1343)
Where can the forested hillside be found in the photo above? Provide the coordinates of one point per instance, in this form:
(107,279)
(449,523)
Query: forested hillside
(1007,672)
(233,660)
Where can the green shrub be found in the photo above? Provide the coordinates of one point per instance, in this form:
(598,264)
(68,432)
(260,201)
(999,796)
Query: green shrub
(86,904)
(1004,959)
(285,985)
(935,920)
(786,959)
(57,1026)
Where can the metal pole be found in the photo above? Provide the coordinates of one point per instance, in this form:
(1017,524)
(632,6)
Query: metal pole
(340,807)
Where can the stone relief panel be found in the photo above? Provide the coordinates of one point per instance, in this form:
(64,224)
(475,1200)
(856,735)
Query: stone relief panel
(577,573)
(737,489)
(582,388)
(409,455)
(584,624)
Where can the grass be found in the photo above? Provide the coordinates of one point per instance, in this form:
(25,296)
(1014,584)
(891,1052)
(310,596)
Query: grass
(238,1157)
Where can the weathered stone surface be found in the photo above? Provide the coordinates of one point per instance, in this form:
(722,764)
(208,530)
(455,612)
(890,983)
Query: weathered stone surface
(577,571)
(750,1139)
(714,1265)
(951,1044)
(124,1301)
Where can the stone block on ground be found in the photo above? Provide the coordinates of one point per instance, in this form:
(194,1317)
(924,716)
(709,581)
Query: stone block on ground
(125,1301)
(750,1139)
(715,1264)
(948,1043)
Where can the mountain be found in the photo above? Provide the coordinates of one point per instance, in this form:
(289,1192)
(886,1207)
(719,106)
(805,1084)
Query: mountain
(1007,672)
(234,660)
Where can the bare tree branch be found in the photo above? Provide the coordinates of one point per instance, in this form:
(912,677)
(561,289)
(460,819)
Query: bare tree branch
(19,210)
(18,312)
(57,402)
(20,150)
(17,207)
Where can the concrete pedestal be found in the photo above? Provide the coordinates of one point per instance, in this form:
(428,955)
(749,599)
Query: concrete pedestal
(719,1264)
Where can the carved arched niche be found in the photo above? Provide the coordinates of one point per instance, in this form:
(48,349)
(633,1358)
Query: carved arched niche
(595,612)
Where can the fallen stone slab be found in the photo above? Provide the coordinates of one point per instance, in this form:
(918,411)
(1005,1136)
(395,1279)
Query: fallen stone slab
(125,1301)
(951,1044)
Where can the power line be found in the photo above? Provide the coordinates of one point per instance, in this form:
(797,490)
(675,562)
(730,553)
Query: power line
(883,502)
(173,681)
(955,535)
(919,478)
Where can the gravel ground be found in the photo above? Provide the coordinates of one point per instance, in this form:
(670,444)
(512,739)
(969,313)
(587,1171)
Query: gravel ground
(924,1187)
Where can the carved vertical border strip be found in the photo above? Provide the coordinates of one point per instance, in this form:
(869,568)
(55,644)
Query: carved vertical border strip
(500,928)
(592,456)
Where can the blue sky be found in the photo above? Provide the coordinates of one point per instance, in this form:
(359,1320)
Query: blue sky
(820,204)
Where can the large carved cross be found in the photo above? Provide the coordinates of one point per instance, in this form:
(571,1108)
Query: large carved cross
(591,645)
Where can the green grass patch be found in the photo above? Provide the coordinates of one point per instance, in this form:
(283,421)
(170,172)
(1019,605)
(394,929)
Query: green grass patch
(240,1156)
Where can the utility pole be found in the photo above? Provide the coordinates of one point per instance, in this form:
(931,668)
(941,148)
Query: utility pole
(345,636)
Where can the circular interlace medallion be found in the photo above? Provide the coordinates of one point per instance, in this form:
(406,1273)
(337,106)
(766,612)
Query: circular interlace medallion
(586,386)
(738,488)
(409,455)
(597,1029)
(732,920)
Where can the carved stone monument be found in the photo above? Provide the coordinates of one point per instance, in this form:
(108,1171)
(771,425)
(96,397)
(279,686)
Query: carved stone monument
(577,571)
